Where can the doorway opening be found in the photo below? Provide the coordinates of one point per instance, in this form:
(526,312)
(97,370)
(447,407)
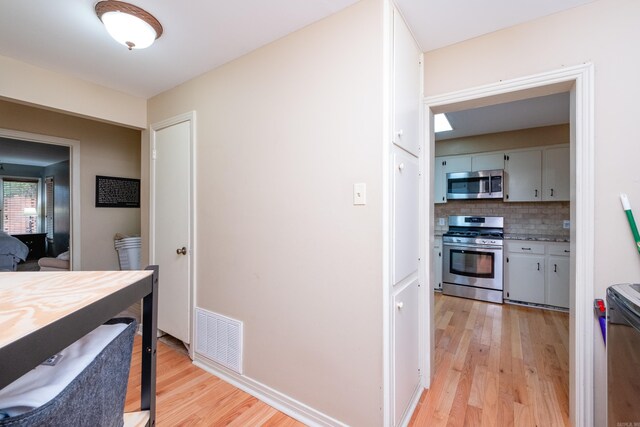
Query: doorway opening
(40,197)
(578,83)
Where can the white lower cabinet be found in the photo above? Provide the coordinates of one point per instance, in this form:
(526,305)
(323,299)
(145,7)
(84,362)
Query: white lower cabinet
(537,272)
(405,347)
(437,264)
(525,277)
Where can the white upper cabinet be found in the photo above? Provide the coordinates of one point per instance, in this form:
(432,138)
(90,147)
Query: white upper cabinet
(484,162)
(443,166)
(406,87)
(555,174)
(523,182)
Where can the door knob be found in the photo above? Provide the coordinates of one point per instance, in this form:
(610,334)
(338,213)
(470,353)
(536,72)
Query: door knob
(182,251)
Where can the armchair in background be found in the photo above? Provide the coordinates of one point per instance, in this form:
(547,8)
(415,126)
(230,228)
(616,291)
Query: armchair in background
(59,263)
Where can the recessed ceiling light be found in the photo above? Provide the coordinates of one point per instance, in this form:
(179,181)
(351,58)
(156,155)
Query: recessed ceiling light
(128,24)
(441,123)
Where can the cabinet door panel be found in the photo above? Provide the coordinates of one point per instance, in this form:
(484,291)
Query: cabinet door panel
(524,176)
(525,278)
(439,182)
(555,174)
(406,84)
(557,288)
(457,164)
(407,376)
(437,264)
(405,215)
(483,162)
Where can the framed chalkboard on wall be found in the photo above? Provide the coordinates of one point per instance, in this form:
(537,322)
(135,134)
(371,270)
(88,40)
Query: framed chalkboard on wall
(114,192)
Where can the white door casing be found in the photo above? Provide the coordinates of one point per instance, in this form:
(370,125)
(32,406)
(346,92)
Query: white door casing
(171,222)
(579,81)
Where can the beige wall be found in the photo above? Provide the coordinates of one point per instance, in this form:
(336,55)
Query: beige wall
(36,86)
(104,150)
(535,137)
(283,133)
(604,33)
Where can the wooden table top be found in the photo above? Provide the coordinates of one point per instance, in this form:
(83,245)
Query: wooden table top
(32,300)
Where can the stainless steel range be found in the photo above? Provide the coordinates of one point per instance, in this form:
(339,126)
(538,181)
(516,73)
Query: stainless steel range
(472,264)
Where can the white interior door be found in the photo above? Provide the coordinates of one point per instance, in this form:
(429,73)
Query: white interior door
(171,246)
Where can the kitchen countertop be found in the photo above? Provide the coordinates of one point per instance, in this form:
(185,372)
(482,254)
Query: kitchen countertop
(537,237)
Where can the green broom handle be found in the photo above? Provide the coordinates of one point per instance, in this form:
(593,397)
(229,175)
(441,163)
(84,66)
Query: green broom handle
(632,222)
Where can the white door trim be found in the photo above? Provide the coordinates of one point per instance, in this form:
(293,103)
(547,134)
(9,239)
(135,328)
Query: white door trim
(191,244)
(579,80)
(74,179)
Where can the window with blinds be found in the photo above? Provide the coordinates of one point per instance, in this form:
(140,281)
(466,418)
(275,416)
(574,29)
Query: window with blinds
(19,206)
(48,206)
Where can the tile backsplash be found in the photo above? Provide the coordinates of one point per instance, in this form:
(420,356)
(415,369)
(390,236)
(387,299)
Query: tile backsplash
(543,218)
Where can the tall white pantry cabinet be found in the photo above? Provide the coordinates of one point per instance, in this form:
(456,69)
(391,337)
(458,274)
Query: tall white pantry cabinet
(405,185)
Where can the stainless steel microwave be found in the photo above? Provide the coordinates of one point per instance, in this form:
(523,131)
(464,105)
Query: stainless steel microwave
(486,184)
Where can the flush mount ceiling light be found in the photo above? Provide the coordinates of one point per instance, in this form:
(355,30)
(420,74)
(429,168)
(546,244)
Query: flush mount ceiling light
(128,24)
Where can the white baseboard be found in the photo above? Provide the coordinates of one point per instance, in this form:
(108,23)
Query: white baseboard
(283,403)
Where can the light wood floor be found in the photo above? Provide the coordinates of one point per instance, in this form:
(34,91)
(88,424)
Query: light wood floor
(497,365)
(189,396)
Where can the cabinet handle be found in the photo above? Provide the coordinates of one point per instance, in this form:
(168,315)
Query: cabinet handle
(566,251)
(400,305)
(536,193)
(400,132)
(401,167)
(181,251)
(552,192)
(538,266)
(526,249)
(555,268)
(443,198)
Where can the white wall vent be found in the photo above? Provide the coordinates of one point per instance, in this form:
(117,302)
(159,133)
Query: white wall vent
(219,338)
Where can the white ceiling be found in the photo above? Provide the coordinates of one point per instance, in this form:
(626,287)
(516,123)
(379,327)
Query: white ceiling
(66,35)
(527,113)
(439,23)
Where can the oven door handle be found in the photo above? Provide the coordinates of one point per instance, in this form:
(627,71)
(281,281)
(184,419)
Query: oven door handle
(471,246)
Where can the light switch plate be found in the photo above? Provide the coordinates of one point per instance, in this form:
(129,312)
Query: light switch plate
(441,221)
(566,223)
(360,194)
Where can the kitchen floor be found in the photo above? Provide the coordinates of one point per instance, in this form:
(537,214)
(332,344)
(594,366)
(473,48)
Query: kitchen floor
(497,365)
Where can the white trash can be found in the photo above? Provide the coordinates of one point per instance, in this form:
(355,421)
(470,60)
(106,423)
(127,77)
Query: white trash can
(129,252)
